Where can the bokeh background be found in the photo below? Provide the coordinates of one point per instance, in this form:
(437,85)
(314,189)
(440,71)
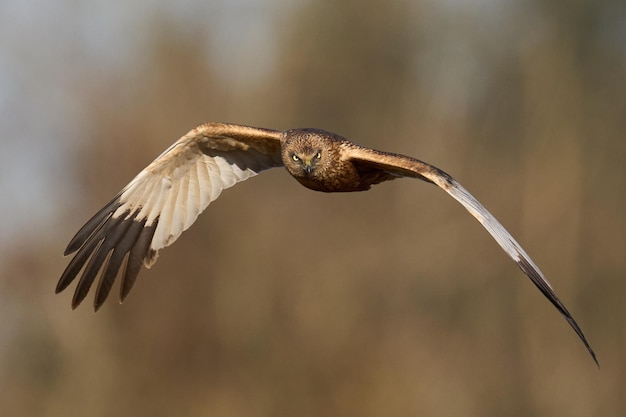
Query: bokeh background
(285,302)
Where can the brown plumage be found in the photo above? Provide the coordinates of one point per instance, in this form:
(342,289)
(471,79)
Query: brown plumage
(165,198)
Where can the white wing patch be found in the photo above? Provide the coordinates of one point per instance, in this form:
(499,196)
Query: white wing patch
(176,194)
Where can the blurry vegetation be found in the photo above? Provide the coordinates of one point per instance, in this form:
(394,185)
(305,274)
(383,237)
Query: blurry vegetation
(285,302)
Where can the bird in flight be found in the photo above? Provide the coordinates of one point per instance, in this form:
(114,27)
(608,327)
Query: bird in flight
(165,199)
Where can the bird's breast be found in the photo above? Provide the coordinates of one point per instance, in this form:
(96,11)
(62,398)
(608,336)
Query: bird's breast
(336,178)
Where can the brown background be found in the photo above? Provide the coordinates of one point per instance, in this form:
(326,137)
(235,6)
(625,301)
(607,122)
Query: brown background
(285,302)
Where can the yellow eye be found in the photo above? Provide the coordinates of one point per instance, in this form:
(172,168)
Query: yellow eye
(295,157)
(318,155)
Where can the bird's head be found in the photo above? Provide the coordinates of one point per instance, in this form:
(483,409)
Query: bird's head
(305,160)
(304,153)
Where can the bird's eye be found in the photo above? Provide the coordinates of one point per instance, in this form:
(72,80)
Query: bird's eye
(295,157)
(318,155)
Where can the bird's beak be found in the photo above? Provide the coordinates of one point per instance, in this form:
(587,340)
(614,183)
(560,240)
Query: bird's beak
(308,168)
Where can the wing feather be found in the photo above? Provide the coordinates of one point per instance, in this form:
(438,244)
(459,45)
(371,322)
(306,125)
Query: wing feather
(116,259)
(204,183)
(212,178)
(136,257)
(162,201)
(182,203)
(91,226)
(404,166)
(194,198)
(164,234)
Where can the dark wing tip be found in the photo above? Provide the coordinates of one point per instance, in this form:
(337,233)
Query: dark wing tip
(136,255)
(105,243)
(92,225)
(508,244)
(131,230)
(529,269)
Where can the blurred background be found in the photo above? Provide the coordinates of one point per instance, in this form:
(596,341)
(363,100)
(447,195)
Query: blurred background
(285,302)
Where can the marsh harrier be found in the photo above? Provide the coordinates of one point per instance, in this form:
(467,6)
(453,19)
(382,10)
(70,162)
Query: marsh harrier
(165,198)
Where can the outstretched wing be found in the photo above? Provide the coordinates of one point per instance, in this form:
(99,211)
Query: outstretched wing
(162,201)
(396,165)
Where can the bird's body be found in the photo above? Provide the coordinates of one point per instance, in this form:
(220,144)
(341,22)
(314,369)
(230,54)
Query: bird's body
(166,197)
(316,159)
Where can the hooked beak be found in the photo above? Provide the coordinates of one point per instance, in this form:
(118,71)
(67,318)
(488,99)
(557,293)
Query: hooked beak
(308,168)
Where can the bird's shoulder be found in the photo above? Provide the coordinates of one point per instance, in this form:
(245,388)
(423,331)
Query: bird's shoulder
(213,138)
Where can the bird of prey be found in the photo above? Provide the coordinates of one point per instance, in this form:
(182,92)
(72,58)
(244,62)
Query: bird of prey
(166,197)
